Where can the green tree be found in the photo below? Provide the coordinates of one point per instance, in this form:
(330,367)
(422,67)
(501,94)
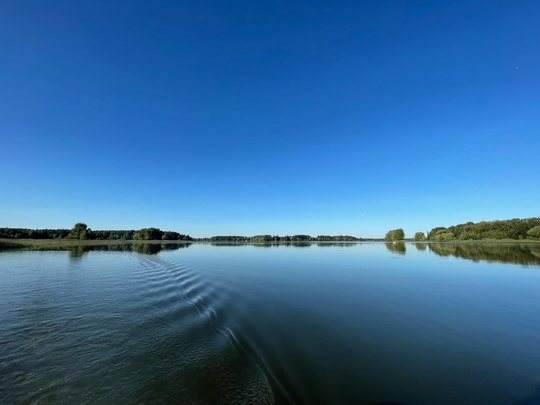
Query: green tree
(419,237)
(80,231)
(506,229)
(300,238)
(534,232)
(444,236)
(395,234)
(261,238)
(149,234)
(431,235)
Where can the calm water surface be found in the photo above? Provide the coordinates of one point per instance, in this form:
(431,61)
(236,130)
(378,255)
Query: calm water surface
(315,324)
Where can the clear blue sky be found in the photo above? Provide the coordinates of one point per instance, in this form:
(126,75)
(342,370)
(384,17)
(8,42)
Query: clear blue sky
(279,117)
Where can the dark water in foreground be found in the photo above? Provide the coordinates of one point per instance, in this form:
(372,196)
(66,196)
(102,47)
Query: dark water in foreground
(329,324)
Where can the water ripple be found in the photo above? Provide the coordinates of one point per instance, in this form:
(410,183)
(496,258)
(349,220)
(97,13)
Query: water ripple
(141,331)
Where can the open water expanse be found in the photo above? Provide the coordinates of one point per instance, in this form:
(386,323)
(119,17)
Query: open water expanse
(300,324)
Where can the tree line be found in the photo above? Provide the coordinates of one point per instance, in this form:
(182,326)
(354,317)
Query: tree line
(279,239)
(82,232)
(517,229)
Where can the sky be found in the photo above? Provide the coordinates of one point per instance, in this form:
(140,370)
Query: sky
(269,117)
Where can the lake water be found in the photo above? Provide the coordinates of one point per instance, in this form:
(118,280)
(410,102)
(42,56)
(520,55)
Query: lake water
(300,324)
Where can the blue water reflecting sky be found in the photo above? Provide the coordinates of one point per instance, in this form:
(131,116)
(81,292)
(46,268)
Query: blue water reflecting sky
(326,324)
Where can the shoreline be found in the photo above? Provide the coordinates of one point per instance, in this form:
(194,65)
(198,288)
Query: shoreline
(31,244)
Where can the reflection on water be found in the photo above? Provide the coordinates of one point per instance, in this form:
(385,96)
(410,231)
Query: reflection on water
(144,248)
(396,247)
(336,244)
(225,244)
(247,325)
(283,244)
(526,254)
(533,400)
(286,244)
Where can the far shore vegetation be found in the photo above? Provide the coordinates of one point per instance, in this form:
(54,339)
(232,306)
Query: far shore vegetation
(501,230)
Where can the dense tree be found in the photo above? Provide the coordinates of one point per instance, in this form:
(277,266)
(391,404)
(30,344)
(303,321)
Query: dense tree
(261,238)
(441,235)
(419,237)
(149,234)
(80,231)
(23,233)
(534,232)
(507,229)
(114,234)
(435,231)
(170,235)
(337,238)
(395,235)
(221,238)
(300,238)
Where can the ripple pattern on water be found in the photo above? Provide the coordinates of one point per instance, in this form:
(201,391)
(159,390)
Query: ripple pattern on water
(151,329)
(244,325)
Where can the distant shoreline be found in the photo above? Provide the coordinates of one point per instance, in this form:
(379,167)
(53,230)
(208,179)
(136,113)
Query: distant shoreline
(58,243)
(31,244)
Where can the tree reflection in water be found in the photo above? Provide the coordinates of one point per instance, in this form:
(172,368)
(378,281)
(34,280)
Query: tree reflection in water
(396,247)
(527,254)
(76,252)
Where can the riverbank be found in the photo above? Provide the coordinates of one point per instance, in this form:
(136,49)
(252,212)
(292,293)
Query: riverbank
(39,244)
(31,244)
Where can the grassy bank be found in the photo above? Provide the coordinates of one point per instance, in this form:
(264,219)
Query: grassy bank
(32,244)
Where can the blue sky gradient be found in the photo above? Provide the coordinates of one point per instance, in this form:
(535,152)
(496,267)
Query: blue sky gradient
(271,117)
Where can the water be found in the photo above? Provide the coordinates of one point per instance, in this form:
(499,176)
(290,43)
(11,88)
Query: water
(300,324)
